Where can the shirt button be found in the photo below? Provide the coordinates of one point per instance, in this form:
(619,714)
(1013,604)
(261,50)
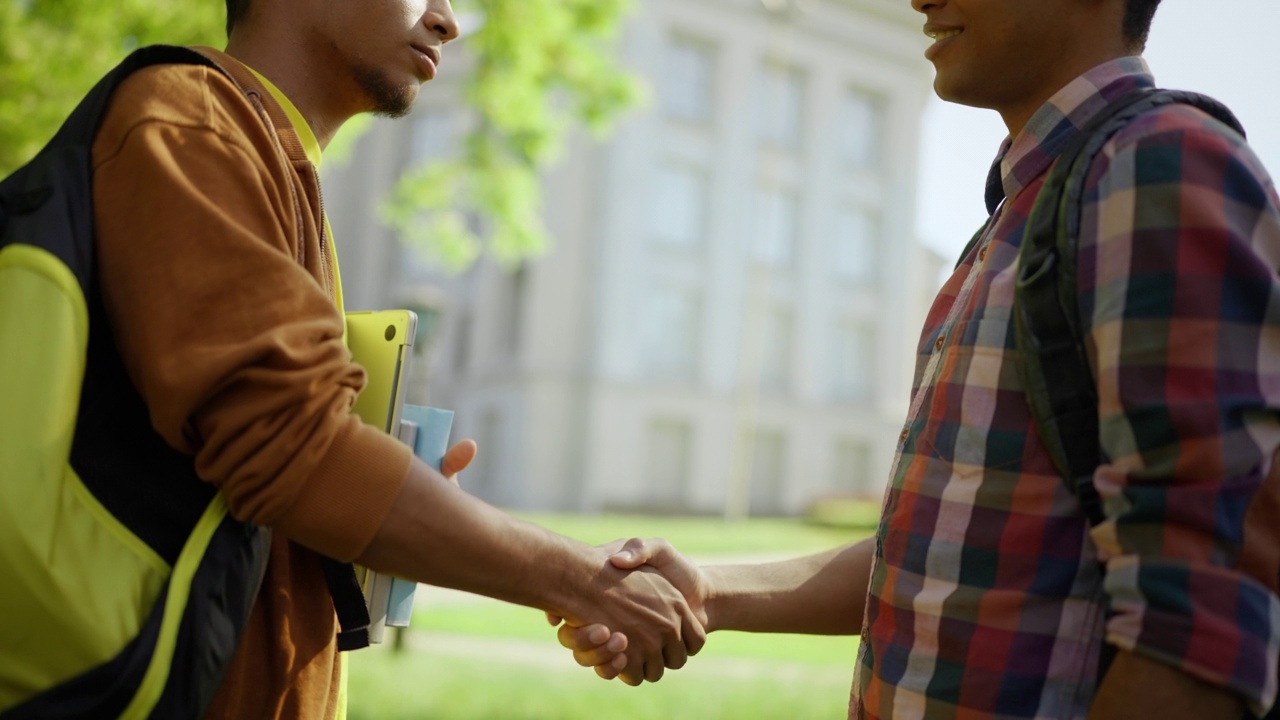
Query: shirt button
(903,437)
(938,345)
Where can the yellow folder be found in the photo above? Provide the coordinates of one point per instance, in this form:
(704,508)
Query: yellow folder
(382,343)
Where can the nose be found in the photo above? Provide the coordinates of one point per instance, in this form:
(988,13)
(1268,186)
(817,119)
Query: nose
(441,20)
(924,6)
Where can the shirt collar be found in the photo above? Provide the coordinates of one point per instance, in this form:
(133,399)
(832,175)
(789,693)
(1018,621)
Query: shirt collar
(1023,159)
(310,145)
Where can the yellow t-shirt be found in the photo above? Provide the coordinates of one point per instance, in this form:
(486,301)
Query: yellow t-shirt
(311,146)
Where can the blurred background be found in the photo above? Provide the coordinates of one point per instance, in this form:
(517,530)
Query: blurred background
(669,258)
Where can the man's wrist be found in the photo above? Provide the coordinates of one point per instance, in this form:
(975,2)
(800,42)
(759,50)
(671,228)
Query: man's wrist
(717,602)
(565,578)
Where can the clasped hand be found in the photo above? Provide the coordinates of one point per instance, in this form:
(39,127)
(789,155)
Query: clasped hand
(643,653)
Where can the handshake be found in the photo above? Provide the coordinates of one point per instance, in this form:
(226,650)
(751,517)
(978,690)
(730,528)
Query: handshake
(628,609)
(660,601)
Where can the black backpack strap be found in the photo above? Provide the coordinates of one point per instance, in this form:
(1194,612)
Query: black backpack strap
(29,187)
(1055,369)
(89,113)
(1059,384)
(348,602)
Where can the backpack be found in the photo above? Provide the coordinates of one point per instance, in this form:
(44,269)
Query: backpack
(127,584)
(1055,370)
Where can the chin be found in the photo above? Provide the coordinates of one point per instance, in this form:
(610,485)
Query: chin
(397,103)
(948,90)
(385,96)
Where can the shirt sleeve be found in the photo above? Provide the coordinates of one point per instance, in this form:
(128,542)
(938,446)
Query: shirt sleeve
(1180,238)
(236,350)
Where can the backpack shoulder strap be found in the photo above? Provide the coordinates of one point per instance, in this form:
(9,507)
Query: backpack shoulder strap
(61,173)
(1059,384)
(82,124)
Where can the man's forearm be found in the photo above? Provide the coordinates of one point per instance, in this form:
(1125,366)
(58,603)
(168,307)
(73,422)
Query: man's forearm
(822,594)
(1136,686)
(436,533)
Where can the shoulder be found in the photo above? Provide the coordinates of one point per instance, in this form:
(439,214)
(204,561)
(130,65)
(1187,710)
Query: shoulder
(176,99)
(1184,145)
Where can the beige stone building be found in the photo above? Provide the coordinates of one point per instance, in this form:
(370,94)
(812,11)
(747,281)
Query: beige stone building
(726,321)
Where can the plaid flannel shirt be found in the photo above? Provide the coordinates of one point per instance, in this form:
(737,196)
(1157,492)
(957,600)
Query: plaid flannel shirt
(990,596)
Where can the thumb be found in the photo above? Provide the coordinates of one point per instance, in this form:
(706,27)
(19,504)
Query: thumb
(662,557)
(633,553)
(458,458)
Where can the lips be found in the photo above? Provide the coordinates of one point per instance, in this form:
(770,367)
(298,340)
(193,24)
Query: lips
(942,36)
(428,59)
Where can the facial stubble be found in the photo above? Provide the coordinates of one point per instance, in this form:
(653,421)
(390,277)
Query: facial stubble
(388,99)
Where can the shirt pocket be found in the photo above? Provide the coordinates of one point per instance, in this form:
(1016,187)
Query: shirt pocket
(978,418)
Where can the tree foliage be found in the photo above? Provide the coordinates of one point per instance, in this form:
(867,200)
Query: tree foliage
(540,66)
(53,51)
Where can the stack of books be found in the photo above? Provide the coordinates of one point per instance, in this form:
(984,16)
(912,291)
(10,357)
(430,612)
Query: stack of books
(382,343)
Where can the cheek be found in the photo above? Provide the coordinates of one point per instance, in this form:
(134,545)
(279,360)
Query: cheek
(411,11)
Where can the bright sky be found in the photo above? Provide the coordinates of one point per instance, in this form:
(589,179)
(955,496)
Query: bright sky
(1223,48)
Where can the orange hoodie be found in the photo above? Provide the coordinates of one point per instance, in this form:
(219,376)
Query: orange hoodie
(216,278)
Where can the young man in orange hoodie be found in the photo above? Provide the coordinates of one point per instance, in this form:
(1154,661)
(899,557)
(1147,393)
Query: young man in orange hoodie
(219,282)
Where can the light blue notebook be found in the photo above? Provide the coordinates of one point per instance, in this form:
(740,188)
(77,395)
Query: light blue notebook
(429,443)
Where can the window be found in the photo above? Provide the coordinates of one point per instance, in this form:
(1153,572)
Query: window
(768,465)
(481,479)
(854,253)
(862,121)
(462,342)
(670,449)
(852,359)
(671,332)
(687,87)
(680,206)
(852,470)
(773,234)
(772,335)
(511,322)
(781,105)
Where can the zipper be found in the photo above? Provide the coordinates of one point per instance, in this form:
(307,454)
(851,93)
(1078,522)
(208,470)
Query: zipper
(325,261)
(256,100)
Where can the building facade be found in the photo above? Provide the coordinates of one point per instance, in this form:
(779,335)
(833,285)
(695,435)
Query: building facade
(726,320)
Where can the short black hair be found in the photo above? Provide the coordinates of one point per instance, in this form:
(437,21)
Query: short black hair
(1137,21)
(236,10)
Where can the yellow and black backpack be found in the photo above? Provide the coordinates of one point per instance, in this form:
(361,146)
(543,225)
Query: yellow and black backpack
(124,583)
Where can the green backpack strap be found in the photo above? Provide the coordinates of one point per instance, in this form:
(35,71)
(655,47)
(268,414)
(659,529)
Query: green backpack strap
(1055,368)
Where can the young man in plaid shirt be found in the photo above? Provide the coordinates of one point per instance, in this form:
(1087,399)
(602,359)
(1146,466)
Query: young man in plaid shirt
(985,593)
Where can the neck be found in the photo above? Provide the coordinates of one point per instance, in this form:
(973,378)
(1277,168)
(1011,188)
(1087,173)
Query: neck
(286,63)
(1017,114)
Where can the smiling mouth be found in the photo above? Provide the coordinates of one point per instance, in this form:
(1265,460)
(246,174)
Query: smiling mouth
(941,35)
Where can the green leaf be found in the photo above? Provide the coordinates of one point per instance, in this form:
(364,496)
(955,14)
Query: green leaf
(541,68)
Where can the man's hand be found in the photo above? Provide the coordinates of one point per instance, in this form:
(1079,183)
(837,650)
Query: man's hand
(1137,686)
(666,632)
(435,533)
(595,646)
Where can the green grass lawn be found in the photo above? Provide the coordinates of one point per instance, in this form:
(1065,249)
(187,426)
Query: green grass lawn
(487,660)
(419,684)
